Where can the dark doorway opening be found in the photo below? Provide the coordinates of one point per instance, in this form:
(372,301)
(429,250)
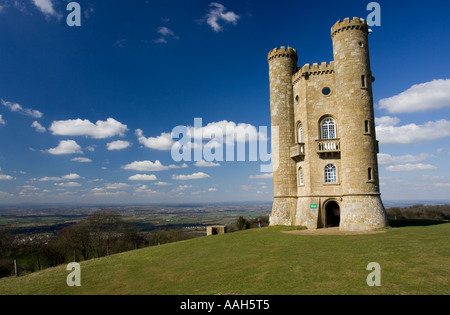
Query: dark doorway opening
(333,214)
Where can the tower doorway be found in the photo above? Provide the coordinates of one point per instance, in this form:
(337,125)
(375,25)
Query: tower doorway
(332,214)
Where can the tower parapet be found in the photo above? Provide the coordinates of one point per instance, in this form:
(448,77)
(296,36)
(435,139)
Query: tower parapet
(346,24)
(283,52)
(316,69)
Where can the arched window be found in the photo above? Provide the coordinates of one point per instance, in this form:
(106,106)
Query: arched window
(300,177)
(330,174)
(300,133)
(328,129)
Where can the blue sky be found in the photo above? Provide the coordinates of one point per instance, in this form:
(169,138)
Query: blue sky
(86,112)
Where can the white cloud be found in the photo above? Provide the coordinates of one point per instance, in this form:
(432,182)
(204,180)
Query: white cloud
(149,166)
(87,13)
(160,40)
(6,177)
(387,121)
(143,177)
(46,7)
(66,147)
(163,184)
(181,188)
(212,189)
(384,159)
(99,130)
(146,166)
(442,184)
(5,194)
(29,188)
(217,133)
(218,13)
(410,167)
(71,176)
(120,43)
(2,122)
(199,175)
(413,133)
(165,34)
(432,177)
(262,176)
(100,192)
(145,189)
(17,108)
(206,164)
(118,145)
(419,98)
(165,31)
(161,143)
(231,131)
(91,148)
(116,186)
(81,160)
(69,184)
(38,127)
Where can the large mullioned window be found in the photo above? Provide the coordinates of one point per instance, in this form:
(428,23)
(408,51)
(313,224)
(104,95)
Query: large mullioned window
(330,174)
(328,129)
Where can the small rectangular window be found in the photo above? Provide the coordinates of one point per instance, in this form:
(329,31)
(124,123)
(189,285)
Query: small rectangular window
(366,126)
(363,81)
(370,173)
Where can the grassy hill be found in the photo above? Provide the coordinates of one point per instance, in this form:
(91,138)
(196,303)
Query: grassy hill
(414,260)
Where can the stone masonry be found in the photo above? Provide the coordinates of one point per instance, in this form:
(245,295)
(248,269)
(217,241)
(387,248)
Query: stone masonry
(324,146)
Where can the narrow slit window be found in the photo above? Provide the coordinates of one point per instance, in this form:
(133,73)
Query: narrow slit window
(366,126)
(370,176)
(363,81)
(300,176)
(300,133)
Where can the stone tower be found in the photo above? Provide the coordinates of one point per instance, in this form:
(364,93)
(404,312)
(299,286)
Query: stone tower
(324,146)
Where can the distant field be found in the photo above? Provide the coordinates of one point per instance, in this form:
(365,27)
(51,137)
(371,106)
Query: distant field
(413,259)
(145,218)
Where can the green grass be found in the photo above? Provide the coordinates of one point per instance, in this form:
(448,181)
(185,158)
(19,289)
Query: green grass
(414,260)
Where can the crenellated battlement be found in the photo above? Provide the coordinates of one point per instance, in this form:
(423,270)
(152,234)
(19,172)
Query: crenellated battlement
(316,69)
(283,52)
(346,24)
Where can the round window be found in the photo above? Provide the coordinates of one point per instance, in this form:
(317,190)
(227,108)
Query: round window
(326,91)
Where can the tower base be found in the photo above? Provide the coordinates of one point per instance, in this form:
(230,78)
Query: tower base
(363,213)
(283,211)
(349,213)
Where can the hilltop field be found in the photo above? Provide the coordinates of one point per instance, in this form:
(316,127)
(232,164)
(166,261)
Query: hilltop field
(414,260)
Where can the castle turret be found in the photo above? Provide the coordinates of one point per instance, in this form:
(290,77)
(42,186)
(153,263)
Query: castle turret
(361,207)
(282,66)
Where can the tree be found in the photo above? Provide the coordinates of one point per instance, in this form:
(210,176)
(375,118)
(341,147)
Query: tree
(77,239)
(6,241)
(242,223)
(104,228)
